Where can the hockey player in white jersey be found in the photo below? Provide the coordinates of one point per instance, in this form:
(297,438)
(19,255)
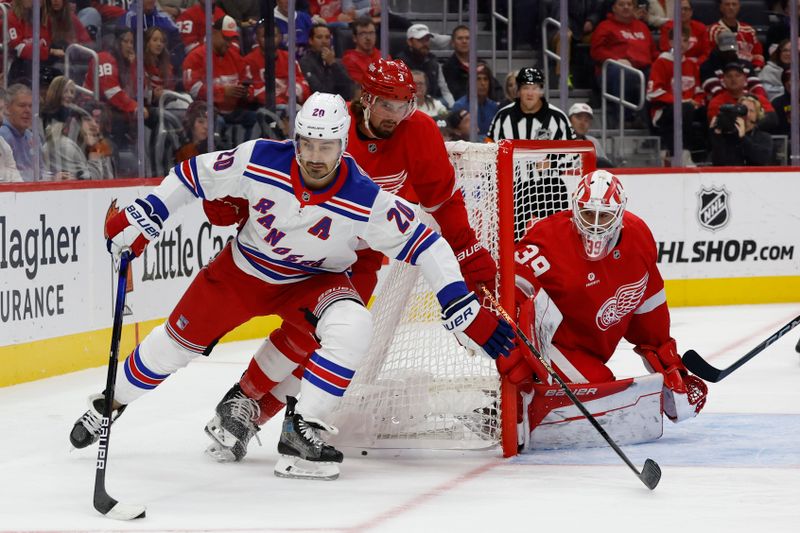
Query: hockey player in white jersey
(310,207)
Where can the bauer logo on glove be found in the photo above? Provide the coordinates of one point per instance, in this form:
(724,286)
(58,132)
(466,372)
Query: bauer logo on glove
(478,330)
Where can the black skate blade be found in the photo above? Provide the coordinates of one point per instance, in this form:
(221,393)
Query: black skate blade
(651,474)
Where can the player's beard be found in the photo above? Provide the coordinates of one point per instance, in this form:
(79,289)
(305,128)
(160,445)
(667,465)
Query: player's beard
(385,129)
(317,171)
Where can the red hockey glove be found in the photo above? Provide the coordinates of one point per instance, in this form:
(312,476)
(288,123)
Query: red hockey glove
(520,366)
(515,367)
(477,266)
(684,394)
(478,330)
(135,226)
(227,211)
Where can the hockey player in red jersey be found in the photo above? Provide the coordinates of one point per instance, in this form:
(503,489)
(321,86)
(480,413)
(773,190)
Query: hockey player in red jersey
(312,205)
(587,278)
(402,150)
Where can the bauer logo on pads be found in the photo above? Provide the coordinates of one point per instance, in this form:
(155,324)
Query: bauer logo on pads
(713,211)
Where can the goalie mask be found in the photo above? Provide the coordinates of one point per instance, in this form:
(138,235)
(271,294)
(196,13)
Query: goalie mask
(322,119)
(598,204)
(389,93)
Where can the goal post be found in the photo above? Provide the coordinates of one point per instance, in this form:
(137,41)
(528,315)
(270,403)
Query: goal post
(418,388)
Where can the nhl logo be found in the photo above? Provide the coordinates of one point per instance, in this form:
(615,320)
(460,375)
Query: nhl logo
(713,212)
(306,196)
(372,147)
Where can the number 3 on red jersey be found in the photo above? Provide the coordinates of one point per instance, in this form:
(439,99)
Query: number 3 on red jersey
(529,256)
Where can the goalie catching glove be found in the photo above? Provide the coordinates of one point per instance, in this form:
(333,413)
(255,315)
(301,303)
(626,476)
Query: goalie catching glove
(684,394)
(135,226)
(478,330)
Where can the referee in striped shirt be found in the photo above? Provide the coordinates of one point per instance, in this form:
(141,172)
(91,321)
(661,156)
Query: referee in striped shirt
(530,116)
(540,191)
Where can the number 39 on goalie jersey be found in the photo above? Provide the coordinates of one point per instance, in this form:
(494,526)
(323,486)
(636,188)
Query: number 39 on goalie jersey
(591,305)
(294,232)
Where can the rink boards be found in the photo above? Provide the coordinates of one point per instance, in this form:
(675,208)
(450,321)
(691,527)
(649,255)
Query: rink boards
(723,237)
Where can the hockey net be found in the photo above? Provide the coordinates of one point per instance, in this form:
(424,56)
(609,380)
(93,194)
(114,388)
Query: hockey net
(418,388)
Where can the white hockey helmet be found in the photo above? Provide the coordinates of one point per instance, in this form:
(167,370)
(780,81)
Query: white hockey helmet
(323,116)
(598,204)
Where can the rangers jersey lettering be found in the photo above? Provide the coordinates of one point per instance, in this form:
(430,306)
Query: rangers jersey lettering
(294,232)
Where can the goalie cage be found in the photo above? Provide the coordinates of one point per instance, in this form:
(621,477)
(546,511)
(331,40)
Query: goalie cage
(418,388)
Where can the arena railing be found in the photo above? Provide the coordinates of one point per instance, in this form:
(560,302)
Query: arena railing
(623,103)
(4,9)
(80,49)
(508,21)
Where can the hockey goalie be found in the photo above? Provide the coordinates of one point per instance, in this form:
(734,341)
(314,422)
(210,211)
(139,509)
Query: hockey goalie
(585,279)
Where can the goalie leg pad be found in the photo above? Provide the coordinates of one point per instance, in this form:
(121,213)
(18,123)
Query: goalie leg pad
(629,410)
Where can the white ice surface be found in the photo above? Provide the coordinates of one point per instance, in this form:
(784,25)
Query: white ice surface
(736,468)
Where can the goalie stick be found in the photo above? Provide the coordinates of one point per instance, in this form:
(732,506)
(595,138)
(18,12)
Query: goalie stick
(651,472)
(702,369)
(104,503)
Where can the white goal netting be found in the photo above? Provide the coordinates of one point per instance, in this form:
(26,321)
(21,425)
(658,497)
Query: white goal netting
(418,388)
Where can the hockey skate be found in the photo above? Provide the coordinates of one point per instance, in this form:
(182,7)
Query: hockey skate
(86,429)
(233,426)
(303,454)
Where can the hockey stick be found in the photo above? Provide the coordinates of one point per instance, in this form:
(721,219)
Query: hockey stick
(797,346)
(651,472)
(702,369)
(102,501)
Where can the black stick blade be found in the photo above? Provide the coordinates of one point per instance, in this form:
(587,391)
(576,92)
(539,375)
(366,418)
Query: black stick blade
(111,508)
(797,346)
(651,474)
(700,367)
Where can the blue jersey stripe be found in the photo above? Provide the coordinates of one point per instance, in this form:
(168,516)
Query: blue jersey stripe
(196,178)
(343,212)
(179,173)
(303,269)
(410,244)
(269,181)
(322,384)
(332,367)
(432,238)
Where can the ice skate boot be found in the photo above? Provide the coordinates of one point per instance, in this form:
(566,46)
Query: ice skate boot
(86,429)
(233,426)
(304,454)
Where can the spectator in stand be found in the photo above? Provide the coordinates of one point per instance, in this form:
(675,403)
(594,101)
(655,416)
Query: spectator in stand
(417,56)
(302,25)
(231,85)
(58,103)
(744,144)
(530,116)
(117,70)
(8,167)
(627,40)
(63,25)
(425,103)
(192,24)
(195,130)
(20,32)
(734,83)
(487,108)
(699,45)
(457,126)
(77,157)
(323,72)
(660,99)
(510,88)
(779,61)
(779,27)
(94,15)
(783,105)
(711,72)
(16,131)
(153,16)
(246,13)
(357,60)
(157,68)
(174,8)
(256,70)
(331,12)
(749,47)
(582,18)
(456,68)
(580,117)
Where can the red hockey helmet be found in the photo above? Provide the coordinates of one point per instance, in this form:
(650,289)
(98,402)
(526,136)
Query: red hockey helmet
(390,79)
